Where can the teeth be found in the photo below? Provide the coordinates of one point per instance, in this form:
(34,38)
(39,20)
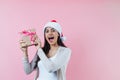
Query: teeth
(51,38)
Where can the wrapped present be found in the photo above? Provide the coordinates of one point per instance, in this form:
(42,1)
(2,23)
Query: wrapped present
(29,37)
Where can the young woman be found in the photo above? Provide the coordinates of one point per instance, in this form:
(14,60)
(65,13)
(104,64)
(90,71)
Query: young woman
(51,60)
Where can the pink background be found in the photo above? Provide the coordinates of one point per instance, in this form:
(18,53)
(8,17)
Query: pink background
(92,28)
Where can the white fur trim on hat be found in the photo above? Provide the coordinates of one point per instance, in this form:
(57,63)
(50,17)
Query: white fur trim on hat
(55,25)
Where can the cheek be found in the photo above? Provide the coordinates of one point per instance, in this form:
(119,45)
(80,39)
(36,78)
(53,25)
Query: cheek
(56,37)
(56,34)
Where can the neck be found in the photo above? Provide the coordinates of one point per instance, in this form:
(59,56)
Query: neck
(53,46)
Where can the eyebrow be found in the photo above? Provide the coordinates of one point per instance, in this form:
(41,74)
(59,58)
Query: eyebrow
(50,29)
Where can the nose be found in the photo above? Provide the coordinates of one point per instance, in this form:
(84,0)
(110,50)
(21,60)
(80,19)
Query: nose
(50,32)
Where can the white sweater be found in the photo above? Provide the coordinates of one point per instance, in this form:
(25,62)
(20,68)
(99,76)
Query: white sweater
(59,64)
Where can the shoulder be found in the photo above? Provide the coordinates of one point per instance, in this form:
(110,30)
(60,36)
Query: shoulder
(65,49)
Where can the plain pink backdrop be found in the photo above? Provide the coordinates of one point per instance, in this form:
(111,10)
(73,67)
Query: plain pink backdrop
(92,28)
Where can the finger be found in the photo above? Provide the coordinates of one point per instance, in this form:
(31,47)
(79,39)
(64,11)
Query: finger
(22,41)
(23,46)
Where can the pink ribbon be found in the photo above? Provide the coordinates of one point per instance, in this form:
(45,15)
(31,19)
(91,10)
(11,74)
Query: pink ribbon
(29,33)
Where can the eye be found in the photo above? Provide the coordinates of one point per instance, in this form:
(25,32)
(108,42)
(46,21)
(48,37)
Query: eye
(53,30)
(46,31)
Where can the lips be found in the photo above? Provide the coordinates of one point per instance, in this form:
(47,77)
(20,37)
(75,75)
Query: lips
(51,39)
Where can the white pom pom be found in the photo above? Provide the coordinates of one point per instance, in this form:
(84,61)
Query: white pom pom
(63,38)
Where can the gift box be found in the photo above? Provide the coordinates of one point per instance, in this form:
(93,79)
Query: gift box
(28,36)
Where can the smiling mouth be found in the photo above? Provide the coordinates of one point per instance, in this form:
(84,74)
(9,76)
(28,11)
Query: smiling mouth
(51,38)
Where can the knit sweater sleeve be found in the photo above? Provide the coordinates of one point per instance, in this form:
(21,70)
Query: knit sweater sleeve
(29,66)
(61,59)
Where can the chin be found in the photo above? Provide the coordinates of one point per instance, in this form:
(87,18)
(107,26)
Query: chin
(52,43)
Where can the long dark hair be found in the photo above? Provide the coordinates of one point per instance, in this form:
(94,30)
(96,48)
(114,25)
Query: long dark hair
(46,47)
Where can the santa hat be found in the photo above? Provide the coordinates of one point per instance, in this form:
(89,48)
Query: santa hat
(56,26)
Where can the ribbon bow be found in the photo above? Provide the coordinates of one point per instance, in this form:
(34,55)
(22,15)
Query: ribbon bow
(29,33)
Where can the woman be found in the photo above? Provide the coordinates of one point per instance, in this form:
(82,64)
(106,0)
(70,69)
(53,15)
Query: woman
(51,60)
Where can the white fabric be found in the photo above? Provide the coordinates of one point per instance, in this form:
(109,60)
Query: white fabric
(44,74)
(59,64)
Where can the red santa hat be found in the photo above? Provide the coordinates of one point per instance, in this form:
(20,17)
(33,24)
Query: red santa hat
(56,26)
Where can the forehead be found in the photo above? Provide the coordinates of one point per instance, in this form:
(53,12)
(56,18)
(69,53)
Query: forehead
(49,28)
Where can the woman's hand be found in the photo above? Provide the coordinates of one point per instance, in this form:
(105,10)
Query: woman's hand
(23,47)
(37,42)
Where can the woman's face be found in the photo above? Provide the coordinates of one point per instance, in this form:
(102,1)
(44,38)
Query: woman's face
(51,35)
